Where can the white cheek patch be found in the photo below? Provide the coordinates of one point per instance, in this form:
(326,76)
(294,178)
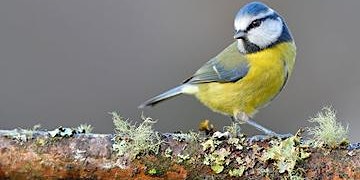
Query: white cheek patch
(267,33)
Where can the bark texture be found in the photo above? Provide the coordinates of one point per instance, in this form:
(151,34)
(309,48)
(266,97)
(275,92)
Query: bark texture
(90,156)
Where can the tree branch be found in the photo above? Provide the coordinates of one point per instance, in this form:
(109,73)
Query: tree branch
(40,155)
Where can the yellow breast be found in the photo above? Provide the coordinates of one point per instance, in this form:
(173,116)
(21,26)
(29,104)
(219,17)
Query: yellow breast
(267,74)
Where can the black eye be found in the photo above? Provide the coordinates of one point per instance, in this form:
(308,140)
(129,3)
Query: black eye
(255,23)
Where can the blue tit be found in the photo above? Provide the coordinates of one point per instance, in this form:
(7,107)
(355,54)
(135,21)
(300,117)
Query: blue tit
(249,73)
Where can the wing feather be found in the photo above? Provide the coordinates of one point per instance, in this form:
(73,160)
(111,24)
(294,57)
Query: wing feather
(229,66)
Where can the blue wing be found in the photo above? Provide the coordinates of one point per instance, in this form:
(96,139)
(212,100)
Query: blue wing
(228,66)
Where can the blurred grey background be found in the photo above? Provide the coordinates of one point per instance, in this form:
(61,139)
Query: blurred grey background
(70,62)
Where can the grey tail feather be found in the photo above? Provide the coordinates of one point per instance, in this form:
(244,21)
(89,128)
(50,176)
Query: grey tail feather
(164,96)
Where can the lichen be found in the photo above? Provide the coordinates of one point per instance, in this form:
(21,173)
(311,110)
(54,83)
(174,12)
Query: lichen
(210,144)
(237,142)
(168,152)
(185,137)
(234,129)
(62,132)
(155,172)
(218,151)
(237,172)
(286,154)
(131,139)
(217,159)
(182,158)
(220,157)
(85,128)
(329,131)
(23,135)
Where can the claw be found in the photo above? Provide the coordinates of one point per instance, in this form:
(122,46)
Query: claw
(262,138)
(258,138)
(283,136)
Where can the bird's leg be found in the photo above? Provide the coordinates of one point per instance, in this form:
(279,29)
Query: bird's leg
(242,117)
(260,127)
(268,132)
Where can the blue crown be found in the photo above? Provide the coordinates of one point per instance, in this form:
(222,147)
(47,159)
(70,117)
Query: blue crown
(253,9)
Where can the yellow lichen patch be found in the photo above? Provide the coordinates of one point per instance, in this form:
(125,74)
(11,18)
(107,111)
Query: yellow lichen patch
(218,151)
(286,154)
(217,160)
(237,172)
(210,144)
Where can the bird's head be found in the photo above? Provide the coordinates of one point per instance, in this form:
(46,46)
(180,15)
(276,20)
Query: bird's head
(257,27)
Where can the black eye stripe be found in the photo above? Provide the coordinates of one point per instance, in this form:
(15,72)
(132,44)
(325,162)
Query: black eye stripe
(251,25)
(273,16)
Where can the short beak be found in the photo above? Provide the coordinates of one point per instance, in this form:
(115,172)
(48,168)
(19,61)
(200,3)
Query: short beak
(239,34)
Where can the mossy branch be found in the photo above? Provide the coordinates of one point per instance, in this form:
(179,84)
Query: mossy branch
(91,156)
(136,151)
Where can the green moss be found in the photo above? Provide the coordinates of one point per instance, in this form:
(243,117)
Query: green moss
(328,131)
(131,139)
(155,172)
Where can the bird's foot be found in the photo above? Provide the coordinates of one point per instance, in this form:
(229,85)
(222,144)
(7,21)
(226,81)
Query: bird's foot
(282,136)
(354,146)
(263,138)
(258,138)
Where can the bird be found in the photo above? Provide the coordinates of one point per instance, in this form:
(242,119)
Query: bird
(248,74)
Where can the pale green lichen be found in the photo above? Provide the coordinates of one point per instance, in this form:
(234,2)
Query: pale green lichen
(236,142)
(286,154)
(155,172)
(217,159)
(23,135)
(131,139)
(182,158)
(239,160)
(328,131)
(217,168)
(210,144)
(234,129)
(237,172)
(189,137)
(296,176)
(168,152)
(84,128)
(218,149)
